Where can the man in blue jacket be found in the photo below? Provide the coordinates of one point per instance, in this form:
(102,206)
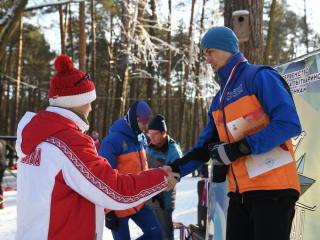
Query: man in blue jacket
(260,207)
(162,150)
(125,149)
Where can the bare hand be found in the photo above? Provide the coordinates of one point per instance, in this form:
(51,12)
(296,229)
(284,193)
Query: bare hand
(167,168)
(172,180)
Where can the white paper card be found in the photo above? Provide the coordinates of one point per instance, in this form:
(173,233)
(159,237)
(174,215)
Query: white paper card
(258,164)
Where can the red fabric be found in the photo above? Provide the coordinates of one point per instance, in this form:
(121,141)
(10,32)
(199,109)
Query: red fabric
(37,130)
(71,215)
(62,83)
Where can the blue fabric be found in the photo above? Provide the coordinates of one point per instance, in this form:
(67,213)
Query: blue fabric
(174,152)
(143,112)
(158,123)
(131,118)
(267,86)
(146,220)
(222,38)
(112,144)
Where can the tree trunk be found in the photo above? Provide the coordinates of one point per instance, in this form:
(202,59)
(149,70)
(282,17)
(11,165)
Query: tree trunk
(150,67)
(117,89)
(107,109)
(270,32)
(62,32)
(168,73)
(9,23)
(135,80)
(186,75)
(19,55)
(121,69)
(23,98)
(196,121)
(82,37)
(71,36)
(5,103)
(93,64)
(7,110)
(254,47)
(306,25)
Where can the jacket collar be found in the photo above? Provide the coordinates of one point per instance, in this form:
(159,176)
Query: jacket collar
(122,126)
(70,115)
(225,71)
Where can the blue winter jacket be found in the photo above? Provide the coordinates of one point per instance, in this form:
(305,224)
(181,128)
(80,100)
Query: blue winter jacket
(274,99)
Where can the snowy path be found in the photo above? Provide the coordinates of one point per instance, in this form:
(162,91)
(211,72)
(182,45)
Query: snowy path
(185,212)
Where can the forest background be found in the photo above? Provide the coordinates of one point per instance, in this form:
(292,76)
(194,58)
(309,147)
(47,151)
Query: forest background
(145,50)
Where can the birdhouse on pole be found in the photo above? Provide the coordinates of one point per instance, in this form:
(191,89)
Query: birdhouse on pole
(241,27)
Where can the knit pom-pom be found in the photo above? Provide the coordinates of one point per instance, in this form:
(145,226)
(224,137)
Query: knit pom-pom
(63,63)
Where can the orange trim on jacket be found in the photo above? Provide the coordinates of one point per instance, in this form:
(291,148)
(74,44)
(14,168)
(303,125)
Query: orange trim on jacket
(283,177)
(130,164)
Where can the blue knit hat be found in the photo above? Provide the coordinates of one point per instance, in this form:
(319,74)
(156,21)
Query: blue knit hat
(139,112)
(222,38)
(158,123)
(144,113)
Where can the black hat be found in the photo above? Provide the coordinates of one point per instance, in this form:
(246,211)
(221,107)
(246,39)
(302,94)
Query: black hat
(158,123)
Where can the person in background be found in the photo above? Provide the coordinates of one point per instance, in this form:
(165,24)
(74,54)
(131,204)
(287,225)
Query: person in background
(125,149)
(198,172)
(206,169)
(163,150)
(260,207)
(5,151)
(63,185)
(95,137)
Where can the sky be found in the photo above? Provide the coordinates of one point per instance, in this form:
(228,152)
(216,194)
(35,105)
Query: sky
(185,212)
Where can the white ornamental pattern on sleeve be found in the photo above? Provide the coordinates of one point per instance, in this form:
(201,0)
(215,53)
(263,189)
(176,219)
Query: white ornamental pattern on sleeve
(96,181)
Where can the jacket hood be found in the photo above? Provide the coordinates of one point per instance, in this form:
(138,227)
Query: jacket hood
(226,70)
(123,127)
(36,127)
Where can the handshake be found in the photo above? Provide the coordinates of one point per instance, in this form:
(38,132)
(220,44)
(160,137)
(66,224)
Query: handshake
(172,177)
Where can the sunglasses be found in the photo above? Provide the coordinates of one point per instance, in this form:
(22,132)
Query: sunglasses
(85,77)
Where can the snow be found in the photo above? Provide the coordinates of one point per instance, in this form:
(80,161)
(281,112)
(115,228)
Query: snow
(185,212)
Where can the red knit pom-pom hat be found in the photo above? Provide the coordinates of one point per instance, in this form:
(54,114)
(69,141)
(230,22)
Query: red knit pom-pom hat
(63,92)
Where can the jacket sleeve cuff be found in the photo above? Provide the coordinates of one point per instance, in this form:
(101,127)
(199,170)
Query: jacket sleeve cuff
(162,171)
(175,168)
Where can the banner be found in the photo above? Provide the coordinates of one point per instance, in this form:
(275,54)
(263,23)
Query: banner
(303,78)
(217,210)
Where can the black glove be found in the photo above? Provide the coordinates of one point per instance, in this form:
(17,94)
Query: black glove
(225,153)
(159,198)
(112,221)
(219,173)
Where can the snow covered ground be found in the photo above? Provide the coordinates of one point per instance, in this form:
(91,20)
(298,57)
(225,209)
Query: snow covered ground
(185,212)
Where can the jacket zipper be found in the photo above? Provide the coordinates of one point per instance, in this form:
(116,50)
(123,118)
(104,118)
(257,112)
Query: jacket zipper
(140,157)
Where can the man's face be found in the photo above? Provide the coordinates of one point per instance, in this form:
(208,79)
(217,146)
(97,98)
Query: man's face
(143,126)
(156,136)
(217,58)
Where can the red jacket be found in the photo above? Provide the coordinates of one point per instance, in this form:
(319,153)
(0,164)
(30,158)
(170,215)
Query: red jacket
(63,185)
